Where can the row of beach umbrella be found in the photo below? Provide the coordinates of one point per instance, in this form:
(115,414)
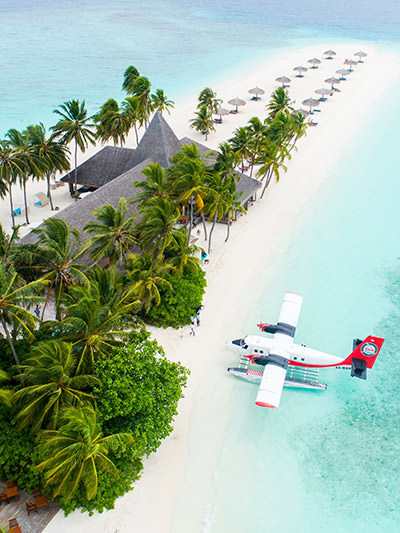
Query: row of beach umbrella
(284,80)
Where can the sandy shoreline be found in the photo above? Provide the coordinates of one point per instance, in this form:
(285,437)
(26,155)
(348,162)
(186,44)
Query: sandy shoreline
(233,277)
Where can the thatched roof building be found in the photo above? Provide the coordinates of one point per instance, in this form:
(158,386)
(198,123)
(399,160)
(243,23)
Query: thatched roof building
(102,167)
(113,171)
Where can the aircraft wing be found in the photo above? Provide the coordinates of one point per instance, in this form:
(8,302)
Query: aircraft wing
(273,379)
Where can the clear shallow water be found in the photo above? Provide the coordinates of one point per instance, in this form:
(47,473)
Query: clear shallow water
(56,51)
(333,456)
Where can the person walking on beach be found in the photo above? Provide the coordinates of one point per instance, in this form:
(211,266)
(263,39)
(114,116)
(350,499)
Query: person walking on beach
(192,325)
(198,318)
(37,310)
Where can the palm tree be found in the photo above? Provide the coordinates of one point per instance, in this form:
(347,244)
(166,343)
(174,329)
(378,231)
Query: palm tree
(299,128)
(112,123)
(179,254)
(157,184)
(76,450)
(5,394)
(53,154)
(63,247)
(113,233)
(160,102)
(203,121)
(226,160)
(15,300)
(95,316)
(12,164)
(187,177)
(32,167)
(158,227)
(241,144)
(49,384)
(130,76)
(140,88)
(270,159)
(133,112)
(221,200)
(74,125)
(147,275)
(280,101)
(8,248)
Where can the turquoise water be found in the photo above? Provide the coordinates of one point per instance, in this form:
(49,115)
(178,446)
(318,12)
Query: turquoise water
(334,456)
(56,51)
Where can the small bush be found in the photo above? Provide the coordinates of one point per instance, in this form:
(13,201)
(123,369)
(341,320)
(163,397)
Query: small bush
(179,303)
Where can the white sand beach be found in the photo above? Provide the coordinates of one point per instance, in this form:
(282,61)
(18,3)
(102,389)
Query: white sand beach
(233,276)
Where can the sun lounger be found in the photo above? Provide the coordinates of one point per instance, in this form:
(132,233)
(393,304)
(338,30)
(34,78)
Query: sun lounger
(42,199)
(13,526)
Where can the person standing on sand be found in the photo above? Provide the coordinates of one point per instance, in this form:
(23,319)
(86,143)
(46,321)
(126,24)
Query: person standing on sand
(192,324)
(198,318)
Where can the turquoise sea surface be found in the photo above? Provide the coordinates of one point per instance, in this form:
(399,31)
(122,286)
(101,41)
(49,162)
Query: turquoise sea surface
(335,456)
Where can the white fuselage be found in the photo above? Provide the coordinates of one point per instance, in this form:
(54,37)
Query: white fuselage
(297,354)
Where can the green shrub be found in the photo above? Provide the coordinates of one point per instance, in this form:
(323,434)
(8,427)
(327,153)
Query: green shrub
(179,303)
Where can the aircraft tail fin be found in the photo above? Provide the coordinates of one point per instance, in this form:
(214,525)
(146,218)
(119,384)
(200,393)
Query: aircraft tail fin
(364,355)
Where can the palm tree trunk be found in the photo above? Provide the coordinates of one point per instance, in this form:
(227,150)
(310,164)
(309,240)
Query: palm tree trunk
(76,165)
(228,229)
(11,205)
(190,217)
(47,299)
(49,191)
(10,342)
(204,224)
(267,181)
(136,133)
(25,202)
(211,232)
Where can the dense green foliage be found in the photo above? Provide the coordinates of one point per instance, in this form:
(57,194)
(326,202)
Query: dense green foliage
(139,391)
(179,303)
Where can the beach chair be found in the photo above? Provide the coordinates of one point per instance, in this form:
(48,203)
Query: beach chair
(42,199)
(13,526)
(41,501)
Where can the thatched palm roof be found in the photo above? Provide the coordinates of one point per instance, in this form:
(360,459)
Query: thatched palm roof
(80,212)
(102,167)
(159,143)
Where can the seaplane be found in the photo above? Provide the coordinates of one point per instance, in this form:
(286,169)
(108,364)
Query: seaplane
(292,365)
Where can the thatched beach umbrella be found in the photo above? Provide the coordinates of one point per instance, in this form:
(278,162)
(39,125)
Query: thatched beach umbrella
(329,54)
(360,54)
(343,72)
(221,111)
(350,63)
(314,62)
(322,92)
(256,91)
(236,102)
(284,80)
(333,81)
(300,70)
(303,112)
(311,102)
